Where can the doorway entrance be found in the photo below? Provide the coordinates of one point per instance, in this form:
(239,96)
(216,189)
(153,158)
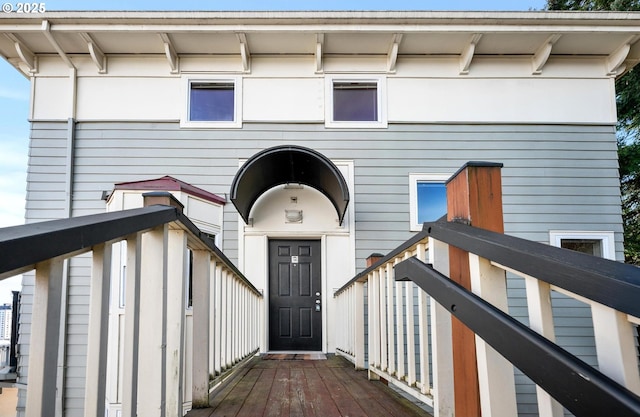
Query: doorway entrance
(295,310)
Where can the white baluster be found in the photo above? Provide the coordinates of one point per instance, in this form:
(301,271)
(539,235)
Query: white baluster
(177,275)
(95,381)
(382,292)
(391,366)
(541,320)
(495,373)
(442,351)
(201,280)
(399,326)
(358,339)
(153,316)
(615,347)
(45,335)
(423,329)
(217,318)
(131,328)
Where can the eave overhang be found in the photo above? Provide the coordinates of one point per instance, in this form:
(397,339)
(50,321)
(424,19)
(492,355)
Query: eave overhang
(288,164)
(540,35)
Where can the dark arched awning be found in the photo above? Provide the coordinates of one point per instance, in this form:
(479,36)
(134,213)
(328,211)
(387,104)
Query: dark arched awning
(288,164)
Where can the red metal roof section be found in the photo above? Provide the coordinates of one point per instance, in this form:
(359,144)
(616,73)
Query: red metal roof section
(168,183)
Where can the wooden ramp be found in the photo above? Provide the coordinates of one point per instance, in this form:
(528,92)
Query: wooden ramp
(282,387)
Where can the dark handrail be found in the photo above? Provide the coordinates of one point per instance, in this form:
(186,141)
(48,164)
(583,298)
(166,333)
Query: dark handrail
(577,386)
(22,247)
(607,282)
(26,245)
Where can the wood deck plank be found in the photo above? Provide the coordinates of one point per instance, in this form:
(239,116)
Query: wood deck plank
(256,402)
(306,388)
(341,396)
(369,403)
(227,386)
(278,403)
(201,412)
(230,405)
(374,398)
(298,393)
(319,397)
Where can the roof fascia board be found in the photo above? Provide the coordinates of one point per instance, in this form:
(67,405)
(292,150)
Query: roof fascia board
(327,28)
(409,15)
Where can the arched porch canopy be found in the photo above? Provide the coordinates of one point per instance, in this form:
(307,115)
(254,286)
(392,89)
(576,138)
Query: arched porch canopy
(288,164)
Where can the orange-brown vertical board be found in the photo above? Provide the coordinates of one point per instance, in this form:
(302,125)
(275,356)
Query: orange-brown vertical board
(457,192)
(474,196)
(465,370)
(485,198)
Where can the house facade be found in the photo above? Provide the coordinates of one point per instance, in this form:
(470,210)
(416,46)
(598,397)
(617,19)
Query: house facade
(319,138)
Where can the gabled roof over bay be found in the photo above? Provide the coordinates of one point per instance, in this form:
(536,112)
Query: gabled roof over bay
(168,183)
(98,34)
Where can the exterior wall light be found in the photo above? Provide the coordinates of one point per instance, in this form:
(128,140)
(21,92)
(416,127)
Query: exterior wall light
(293,216)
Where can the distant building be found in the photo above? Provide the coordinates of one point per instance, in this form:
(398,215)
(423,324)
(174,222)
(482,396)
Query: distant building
(5,322)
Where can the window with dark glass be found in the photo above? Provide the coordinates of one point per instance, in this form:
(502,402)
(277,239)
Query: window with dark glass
(355,101)
(432,201)
(588,246)
(211,102)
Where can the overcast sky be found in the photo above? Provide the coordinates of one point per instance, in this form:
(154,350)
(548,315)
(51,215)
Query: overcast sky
(14,87)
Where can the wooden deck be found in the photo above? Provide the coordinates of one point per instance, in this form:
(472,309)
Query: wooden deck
(307,388)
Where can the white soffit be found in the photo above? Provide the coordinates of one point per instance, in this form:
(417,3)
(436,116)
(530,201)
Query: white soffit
(282,43)
(205,43)
(344,33)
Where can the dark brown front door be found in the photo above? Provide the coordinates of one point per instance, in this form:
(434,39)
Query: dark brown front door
(295,312)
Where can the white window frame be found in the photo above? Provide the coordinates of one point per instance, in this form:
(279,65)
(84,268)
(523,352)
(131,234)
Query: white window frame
(413,195)
(607,239)
(237,103)
(381,89)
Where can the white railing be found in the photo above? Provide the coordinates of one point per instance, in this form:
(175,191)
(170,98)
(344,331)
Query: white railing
(616,349)
(420,362)
(168,352)
(402,357)
(415,343)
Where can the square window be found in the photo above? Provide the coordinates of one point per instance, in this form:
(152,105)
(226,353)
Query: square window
(212,103)
(427,198)
(432,201)
(354,102)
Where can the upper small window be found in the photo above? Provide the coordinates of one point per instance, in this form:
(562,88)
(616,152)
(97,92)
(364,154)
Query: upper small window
(355,102)
(427,197)
(212,103)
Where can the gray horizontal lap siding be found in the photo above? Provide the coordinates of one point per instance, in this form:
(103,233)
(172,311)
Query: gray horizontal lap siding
(554,177)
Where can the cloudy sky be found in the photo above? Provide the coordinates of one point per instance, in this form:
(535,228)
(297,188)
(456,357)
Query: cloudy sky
(14,87)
